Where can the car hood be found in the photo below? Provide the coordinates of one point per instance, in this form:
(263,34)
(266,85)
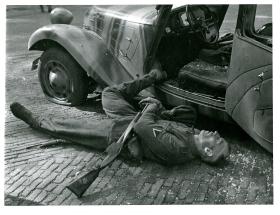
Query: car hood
(142,14)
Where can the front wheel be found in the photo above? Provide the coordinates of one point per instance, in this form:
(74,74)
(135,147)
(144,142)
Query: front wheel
(62,79)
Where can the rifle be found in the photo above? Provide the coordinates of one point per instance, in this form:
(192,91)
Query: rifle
(79,186)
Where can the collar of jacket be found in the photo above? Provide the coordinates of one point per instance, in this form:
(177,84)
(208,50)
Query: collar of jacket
(186,137)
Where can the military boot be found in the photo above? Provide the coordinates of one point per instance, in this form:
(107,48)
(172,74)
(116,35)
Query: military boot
(24,114)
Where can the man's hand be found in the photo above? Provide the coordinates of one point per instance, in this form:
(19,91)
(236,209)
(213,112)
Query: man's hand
(153,104)
(150,100)
(158,75)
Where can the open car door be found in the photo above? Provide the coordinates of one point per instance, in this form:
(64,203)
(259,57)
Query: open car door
(249,92)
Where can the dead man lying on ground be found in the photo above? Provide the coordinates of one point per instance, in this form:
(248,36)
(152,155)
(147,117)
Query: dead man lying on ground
(164,136)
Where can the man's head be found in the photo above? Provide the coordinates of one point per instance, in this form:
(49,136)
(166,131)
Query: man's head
(211,146)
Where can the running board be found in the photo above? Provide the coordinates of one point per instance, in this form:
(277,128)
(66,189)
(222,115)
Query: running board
(205,104)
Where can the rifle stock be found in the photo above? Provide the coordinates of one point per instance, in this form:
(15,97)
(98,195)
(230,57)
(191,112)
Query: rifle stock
(80,186)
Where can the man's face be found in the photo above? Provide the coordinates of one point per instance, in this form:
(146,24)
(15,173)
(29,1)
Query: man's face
(211,146)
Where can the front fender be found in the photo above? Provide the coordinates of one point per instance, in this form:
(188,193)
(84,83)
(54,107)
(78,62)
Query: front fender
(87,48)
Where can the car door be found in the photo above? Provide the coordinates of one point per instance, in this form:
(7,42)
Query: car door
(249,92)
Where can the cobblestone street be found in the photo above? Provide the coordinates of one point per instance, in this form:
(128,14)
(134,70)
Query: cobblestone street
(38,176)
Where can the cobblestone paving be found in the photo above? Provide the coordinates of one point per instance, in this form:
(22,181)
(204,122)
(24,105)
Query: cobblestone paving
(39,176)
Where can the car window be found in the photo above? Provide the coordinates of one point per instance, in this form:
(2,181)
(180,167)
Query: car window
(263,18)
(262,29)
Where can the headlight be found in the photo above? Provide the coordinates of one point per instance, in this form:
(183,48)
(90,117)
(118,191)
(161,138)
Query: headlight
(61,16)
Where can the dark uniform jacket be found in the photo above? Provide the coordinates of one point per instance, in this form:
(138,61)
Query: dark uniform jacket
(165,141)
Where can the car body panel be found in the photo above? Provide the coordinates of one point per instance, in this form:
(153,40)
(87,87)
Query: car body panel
(122,27)
(119,55)
(101,65)
(131,32)
(249,92)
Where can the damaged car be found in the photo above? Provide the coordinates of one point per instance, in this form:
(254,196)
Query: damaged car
(226,77)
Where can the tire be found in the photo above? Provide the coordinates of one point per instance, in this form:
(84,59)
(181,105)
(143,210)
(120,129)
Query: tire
(62,79)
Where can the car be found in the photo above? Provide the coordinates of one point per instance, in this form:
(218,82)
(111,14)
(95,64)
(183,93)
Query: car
(225,77)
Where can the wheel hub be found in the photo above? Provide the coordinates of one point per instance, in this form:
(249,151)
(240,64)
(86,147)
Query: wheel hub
(58,80)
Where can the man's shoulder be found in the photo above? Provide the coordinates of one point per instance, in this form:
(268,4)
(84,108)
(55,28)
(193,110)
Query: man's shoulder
(173,124)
